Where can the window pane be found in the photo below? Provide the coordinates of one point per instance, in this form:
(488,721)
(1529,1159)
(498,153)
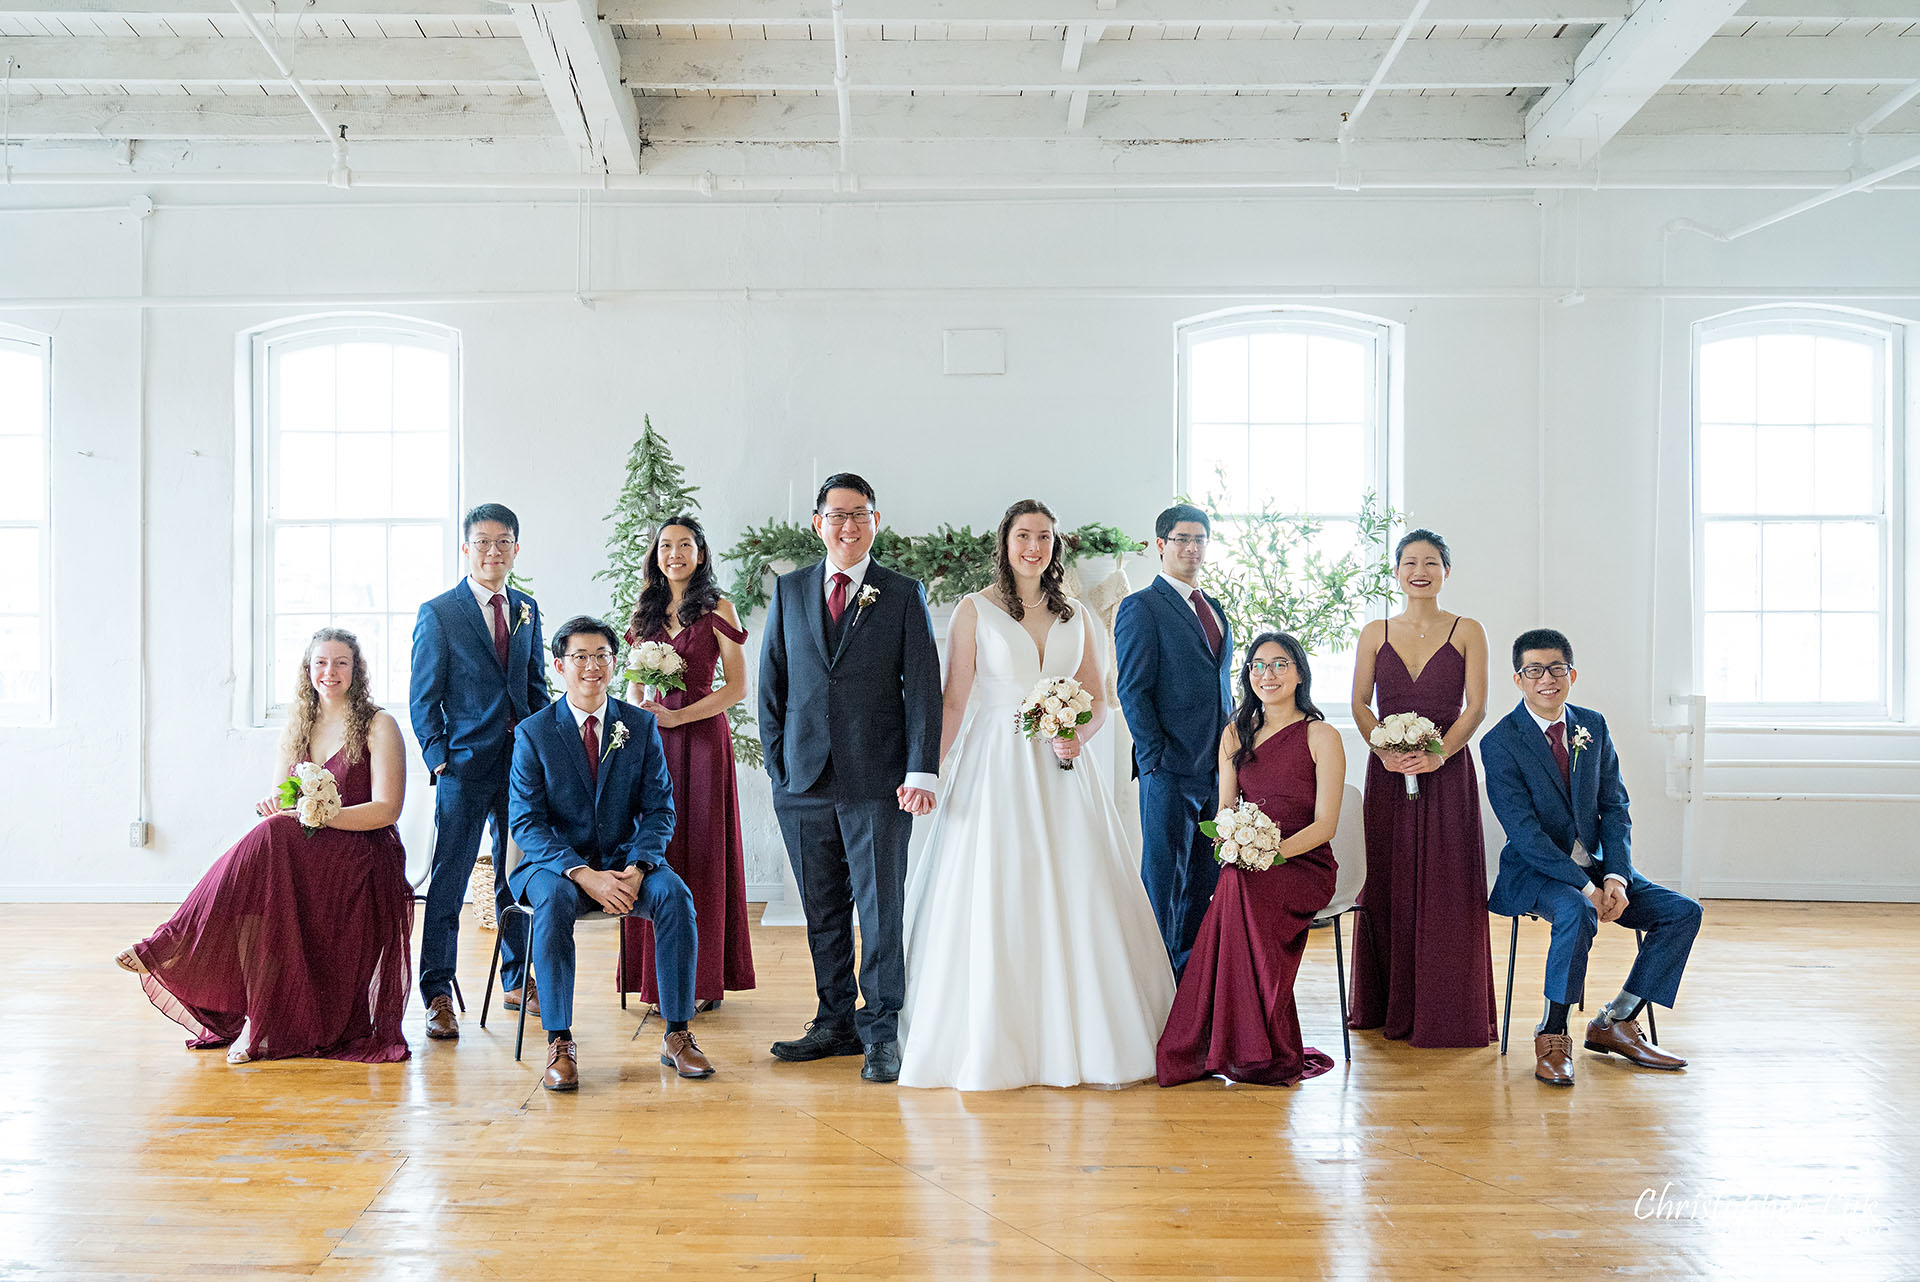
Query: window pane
(1732,571)
(22,679)
(415,566)
(1789,657)
(301,577)
(370,630)
(1217,375)
(1278,472)
(1850,566)
(365,387)
(1726,469)
(366,475)
(359,568)
(305,482)
(290,635)
(1784,469)
(1336,380)
(1217,465)
(1727,381)
(421,388)
(1844,388)
(1850,658)
(1733,657)
(420,474)
(305,390)
(1843,471)
(20,572)
(391,689)
(1785,378)
(23,395)
(23,478)
(1336,467)
(1790,567)
(1277,378)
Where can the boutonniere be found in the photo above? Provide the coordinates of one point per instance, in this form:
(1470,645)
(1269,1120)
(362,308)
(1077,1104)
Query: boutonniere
(1579,739)
(616,737)
(526,615)
(868,595)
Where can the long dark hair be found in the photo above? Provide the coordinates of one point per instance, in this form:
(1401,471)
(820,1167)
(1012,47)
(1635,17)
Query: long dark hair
(656,591)
(1050,578)
(1251,715)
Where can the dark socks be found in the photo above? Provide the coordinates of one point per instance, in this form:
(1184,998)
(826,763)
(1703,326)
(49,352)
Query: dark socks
(559,1035)
(676,1026)
(1556,1018)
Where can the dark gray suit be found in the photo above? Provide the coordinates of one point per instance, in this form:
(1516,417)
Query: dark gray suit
(846,712)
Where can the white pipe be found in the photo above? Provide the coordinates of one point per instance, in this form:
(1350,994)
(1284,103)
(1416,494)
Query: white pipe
(1352,118)
(842,91)
(1874,179)
(1894,104)
(338,174)
(142,209)
(1761,763)
(1810,796)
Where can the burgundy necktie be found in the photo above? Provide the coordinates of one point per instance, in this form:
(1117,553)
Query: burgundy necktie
(1557,736)
(500,634)
(590,740)
(837,599)
(1205,611)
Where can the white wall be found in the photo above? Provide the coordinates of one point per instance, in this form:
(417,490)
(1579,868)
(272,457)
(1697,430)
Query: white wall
(765,338)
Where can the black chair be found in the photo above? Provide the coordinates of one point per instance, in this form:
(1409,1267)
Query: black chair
(1513,949)
(1350,854)
(518,909)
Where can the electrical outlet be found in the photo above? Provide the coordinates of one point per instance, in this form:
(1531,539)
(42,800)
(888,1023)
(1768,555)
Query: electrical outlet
(139,833)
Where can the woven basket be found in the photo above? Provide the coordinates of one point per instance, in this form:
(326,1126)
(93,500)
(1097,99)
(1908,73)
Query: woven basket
(480,890)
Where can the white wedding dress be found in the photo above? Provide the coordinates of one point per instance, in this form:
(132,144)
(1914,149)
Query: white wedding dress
(1033,957)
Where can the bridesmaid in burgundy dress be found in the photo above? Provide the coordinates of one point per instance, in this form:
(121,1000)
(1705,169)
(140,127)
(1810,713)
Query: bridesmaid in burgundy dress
(1422,970)
(1234,1013)
(294,945)
(681,605)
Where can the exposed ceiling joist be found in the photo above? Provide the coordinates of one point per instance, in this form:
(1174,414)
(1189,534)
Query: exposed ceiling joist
(574,54)
(49,61)
(1803,60)
(53,10)
(1831,10)
(1620,68)
(1152,13)
(160,117)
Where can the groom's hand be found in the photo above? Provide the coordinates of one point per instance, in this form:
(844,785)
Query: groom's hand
(915,801)
(613,891)
(1612,901)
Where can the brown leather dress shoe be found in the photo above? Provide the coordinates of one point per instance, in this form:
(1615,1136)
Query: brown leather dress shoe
(563,1067)
(679,1052)
(442,1024)
(1554,1053)
(1623,1037)
(511,998)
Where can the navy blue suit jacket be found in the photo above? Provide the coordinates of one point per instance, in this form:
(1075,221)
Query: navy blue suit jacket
(1542,816)
(873,705)
(1176,695)
(562,822)
(462,703)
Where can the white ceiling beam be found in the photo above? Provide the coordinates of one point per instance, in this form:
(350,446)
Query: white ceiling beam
(1754,115)
(49,61)
(1076,110)
(1831,10)
(54,10)
(902,66)
(573,52)
(1621,67)
(70,117)
(1150,13)
(1803,60)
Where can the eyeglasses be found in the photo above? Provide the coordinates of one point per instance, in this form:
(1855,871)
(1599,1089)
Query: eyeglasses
(1275,666)
(1534,671)
(488,545)
(590,658)
(1187,540)
(860,520)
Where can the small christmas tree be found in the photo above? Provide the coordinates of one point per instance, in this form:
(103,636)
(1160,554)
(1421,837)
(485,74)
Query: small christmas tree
(656,491)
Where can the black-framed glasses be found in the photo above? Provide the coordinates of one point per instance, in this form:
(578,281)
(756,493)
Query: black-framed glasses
(488,545)
(1275,666)
(591,658)
(1534,671)
(860,519)
(1187,540)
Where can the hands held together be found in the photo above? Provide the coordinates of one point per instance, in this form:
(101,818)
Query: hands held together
(1610,900)
(613,891)
(1410,763)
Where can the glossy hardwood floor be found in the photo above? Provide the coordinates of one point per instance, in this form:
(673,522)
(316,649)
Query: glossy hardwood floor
(1790,1149)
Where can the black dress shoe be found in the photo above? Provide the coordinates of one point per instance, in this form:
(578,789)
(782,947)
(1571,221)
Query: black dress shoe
(820,1041)
(883,1062)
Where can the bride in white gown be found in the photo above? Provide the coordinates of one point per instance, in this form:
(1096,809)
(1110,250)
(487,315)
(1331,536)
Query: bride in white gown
(1032,953)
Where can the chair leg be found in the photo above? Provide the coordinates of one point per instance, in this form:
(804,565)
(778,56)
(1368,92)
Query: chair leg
(1340,978)
(1653,1026)
(526,982)
(492,970)
(459,996)
(620,971)
(1513,951)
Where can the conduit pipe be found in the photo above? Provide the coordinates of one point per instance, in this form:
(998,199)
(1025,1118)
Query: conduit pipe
(1874,179)
(338,174)
(842,91)
(1349,119)
(1894,104)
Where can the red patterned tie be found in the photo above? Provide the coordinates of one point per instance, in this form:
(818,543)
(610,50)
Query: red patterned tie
(500,633)
(590,740)
(1557,736)
(837,599)
(1205,611)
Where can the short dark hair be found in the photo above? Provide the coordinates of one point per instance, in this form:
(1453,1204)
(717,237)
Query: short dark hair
(580,625)
(843,481)
(1424,536)
(1164,523)
(1541,639)
(490,512)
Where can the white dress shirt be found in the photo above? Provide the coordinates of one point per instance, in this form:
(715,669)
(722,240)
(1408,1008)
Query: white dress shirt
(580,716)
(1579,852)
(1186,591)
(485,598)
(856,577)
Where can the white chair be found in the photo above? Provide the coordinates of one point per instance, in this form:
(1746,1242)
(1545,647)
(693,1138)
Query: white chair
(518,909)
(1350,853)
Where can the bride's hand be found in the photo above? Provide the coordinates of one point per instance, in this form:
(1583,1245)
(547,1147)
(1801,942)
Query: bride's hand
(1066,749)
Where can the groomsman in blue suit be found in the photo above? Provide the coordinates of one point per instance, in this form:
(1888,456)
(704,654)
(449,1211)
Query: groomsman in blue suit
(1174,654)
(1554,780)
(592,809)
(477,673)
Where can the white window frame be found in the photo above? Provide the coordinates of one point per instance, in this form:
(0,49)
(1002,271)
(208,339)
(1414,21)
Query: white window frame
(1889,336)
(254,620)
(40,346)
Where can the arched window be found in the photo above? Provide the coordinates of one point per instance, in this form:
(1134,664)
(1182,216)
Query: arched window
(355,448)
(26,556)
(1795,418)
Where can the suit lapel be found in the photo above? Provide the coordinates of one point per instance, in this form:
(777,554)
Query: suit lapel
(1185,607)
(608,758)
(468,605)
(519,635)
(1540,750)
(1580,769)
(813,607)
(570,745)
(874,573)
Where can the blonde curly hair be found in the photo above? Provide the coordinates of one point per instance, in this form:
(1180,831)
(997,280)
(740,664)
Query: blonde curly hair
(361,709)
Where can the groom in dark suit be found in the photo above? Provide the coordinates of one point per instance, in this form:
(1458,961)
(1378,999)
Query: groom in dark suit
(850,718)
(477,673)
(592,809)
(1174,654)
(1554,781)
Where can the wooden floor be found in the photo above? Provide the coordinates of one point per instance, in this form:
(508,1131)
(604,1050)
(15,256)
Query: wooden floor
(1790,1150)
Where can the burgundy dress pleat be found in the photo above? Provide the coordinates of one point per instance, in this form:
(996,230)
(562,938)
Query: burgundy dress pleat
(1422,967)
(706,847)
(303,941)
(1234,1013)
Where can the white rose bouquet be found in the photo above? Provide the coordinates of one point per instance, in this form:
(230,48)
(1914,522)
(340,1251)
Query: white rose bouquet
(656,665)
(1053,709)
(1245,838)
(1407,732)
(311,792)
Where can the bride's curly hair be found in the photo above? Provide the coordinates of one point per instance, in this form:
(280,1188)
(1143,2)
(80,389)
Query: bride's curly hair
(298,741)
(1051,578)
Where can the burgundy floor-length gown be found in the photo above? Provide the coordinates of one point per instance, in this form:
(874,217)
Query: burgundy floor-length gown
(1422,969)
(706,849)
(303,941)
(1234,1012)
